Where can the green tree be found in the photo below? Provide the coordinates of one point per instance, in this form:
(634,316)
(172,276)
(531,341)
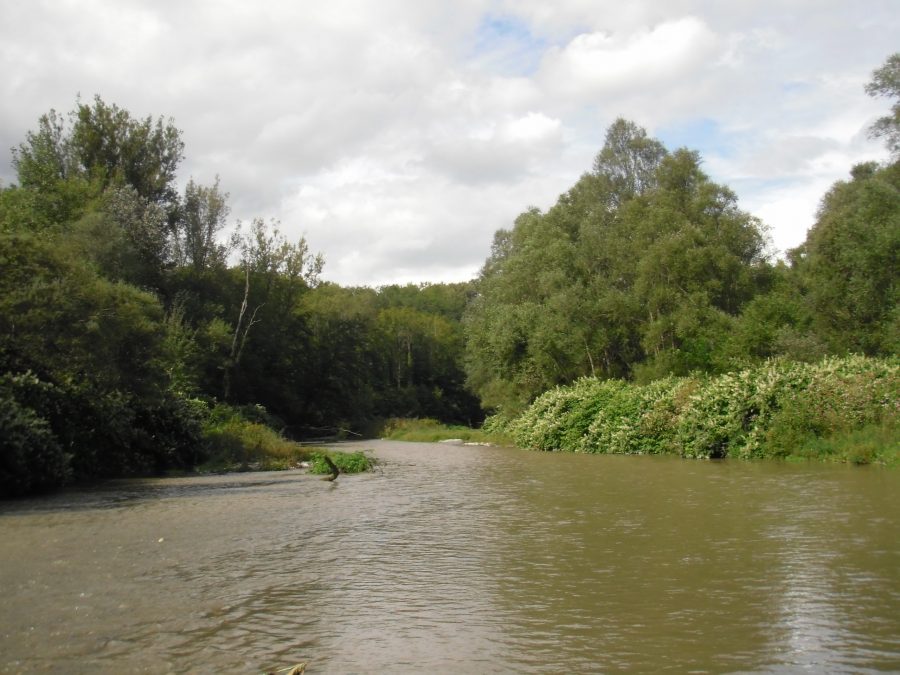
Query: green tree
(125,238)
(849,262)
(276,273)
(628,160)
(101,146)
(88,356)
(776,322)
(340,369)
(201,216)
(51,183)
(107,143)
(700,261)
(886,82)
(639,270)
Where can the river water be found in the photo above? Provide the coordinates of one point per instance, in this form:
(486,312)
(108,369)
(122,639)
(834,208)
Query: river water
(453,559)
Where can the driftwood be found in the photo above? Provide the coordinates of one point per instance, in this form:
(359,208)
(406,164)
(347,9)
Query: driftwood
(335,471)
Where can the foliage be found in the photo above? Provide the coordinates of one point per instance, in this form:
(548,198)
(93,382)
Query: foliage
(31,458)
(102,146)
(886,82)
(235,443)
(425,430)
(346,462)
(639,271)
(395,351)
(849,263)
(88,356)
(772,410)
(201,215)
(870,444)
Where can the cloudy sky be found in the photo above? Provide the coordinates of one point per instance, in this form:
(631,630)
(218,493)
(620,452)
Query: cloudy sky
(398,135)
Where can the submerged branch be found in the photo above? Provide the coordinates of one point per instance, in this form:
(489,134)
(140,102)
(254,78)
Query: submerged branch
(335,471)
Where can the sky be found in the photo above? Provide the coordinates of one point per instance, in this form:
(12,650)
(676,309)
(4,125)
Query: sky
(397,136)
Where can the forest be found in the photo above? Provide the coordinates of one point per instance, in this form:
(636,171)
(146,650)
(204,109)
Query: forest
(136,320)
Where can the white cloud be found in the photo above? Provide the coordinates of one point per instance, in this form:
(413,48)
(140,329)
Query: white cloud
(532,128)
(596,64)
(789,210)
(397,137)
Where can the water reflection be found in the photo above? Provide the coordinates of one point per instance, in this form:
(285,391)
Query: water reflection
(457,559)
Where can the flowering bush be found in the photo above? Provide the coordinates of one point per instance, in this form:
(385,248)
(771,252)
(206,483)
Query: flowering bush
(770,410)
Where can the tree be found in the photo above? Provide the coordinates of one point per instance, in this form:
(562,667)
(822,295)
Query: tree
(639,270)
(776,322)
(44,157)
(144,226)
(629,160)
(108,143)
(201,216)
(88,356)
(850,259)
(697,258)
(125,237)
(101,146)
(49,178)
(279,271)
(886,82)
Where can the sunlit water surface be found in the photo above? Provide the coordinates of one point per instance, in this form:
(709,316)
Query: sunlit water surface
(464,560)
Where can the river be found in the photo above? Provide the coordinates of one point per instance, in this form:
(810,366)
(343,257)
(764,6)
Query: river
(455,559)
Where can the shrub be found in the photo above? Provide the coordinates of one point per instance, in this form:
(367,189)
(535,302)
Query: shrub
(430,431)
(31,458)
(776,409)
(354,462)
(235,443)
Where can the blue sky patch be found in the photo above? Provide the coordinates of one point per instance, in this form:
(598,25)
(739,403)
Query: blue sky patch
(508,45)
(702,134)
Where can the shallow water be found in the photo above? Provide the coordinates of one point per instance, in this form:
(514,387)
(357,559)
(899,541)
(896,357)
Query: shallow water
(461,559)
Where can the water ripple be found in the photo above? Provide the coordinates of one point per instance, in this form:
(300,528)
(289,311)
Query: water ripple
(454,559)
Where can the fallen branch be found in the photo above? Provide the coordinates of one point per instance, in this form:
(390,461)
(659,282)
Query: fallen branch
(335,471)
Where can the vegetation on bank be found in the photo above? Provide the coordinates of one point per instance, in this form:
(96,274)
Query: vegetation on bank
(841,409)
(241,440)
(346,462)
(431,431)
(128,319)
(40,454)
(247,439)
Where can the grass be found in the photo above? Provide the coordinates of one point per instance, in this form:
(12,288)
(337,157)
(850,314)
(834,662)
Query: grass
(872,444)
(235,443)
(239,445)
(432,431)
(347,462)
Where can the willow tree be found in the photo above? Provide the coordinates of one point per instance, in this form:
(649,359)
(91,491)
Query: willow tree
(638,270)
(886,83)
(100,145)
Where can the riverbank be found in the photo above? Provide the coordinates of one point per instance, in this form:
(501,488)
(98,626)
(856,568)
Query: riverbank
(233,442)
(433,431)
(840,409)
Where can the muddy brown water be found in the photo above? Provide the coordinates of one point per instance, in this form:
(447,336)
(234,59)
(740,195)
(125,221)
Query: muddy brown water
(453,559)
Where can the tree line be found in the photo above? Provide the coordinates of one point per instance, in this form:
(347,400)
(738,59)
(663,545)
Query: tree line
(129,312)
(646,268)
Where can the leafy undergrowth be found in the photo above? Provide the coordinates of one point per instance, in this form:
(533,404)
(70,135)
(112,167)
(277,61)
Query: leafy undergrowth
(431,431)
(347,462)
(234,442)
(872,444)
(841,409)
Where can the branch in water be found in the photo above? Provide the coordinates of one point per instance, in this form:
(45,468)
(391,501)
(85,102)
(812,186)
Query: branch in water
(335,471)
